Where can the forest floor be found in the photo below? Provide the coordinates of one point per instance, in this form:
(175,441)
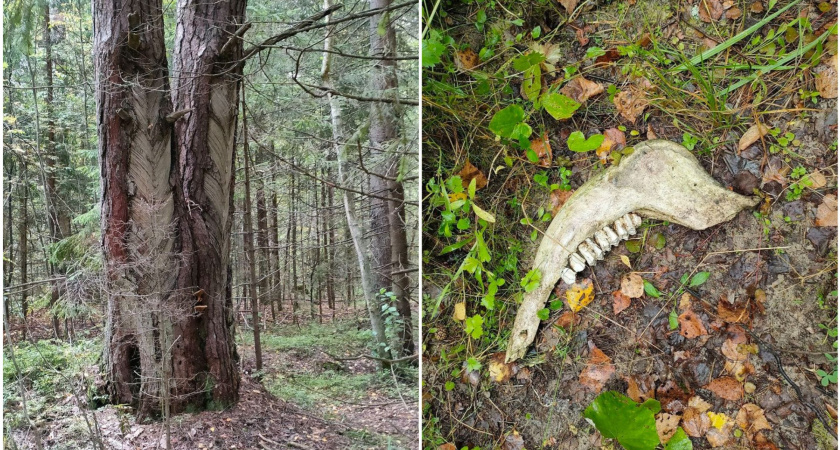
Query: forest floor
(771,270)
(301,400)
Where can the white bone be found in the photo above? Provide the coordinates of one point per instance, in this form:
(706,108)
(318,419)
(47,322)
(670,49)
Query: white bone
(576,262)
(637,221)
(628,224)
(599,255)
(603,242)
(620,229)
(611,236)
(568,275)
(587,254)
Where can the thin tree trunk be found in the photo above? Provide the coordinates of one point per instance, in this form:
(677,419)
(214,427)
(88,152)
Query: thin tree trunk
(371,299)
(249,240)
(23,243)
(262,243)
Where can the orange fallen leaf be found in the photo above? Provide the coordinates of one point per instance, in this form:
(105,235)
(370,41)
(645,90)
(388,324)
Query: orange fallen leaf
(672,397)
(730,350)
(732,313)
(710,10)
(666,425)
(639,387)
(650,133)
(620,302)
(827,212)
(598,370)
(558,198)
(568,320)
(632,285)
(691,326)
(447,446)
(727,388)
(756,7)
(734,13)
(614,139)
(542,148)
(753,134)
(685,301)
(580,89)
(579,295)
(739,370)
(630,103)
(466,60)
(468,172)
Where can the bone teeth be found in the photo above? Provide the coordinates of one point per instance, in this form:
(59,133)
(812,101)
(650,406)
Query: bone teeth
(628,223)
(612,238)
(568,275)
(620,229)
(637,221)
(599,255)
(576,262)
(603,242)
(587,254)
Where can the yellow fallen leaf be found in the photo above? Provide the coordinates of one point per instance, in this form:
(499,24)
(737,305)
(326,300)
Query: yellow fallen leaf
(625,260)
(579,295)
(460,313)
(482,214)
(718,419)
(499,371)
(455,196)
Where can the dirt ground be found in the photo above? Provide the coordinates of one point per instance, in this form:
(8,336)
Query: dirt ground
(774,264)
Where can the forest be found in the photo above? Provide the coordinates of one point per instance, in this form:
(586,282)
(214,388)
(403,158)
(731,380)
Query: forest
(210,224)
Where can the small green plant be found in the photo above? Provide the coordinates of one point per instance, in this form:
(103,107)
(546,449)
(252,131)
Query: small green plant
(803,181)
(632,424)
(689,141)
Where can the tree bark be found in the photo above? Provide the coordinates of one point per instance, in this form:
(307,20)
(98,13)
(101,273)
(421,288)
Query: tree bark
(166,196)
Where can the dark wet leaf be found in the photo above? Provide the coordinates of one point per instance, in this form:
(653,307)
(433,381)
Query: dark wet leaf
(658,241)
(631,424)
(633,245)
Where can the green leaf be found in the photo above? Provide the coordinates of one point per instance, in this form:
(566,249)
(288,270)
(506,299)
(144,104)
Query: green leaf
(449,386)
(698,279)
(651,290)
(658,241)
(555,305)
(578,143)
(505,121)
(525,62)
(482,214)
(532,84)
(535,33)
(673,320)
(543,314)
(455,246)
(679,441)
(433,49)
(463,223)
(618,417)
(559,106)
(473,365)
(594,52)
(471,188)
(522,131)
(473,326)
(633,245)
(531,280)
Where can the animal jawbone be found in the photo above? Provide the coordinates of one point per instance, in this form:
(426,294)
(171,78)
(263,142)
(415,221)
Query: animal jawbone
(659,180)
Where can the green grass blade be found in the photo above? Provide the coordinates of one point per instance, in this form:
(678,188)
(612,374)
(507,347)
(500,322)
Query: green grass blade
(734,39)
(786,59)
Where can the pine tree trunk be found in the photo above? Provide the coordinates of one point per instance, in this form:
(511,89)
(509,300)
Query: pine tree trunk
(166,202)
(249,243)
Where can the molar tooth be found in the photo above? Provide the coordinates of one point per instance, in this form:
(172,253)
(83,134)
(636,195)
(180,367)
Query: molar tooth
(583,250)
(568,275)
(576,262)
(637,221)
(603,242)
(611,236)
(628,223)
(599,255)
(620,229)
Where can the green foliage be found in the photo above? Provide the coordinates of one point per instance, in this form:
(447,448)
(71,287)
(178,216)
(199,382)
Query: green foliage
(531,280)
(559,106)
(433,49)
(679,441)
(673,321)
(632,424)
(651,290)
(510,123)
(473,365)
(698,279)
(474,326)
(579,143)
(543,314)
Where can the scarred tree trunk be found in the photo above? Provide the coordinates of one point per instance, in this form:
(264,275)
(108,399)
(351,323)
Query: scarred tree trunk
(166,202)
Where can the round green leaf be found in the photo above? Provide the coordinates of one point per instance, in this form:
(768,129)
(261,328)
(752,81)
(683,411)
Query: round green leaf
(559,106)
(578,143)
(505,121)
(618,417)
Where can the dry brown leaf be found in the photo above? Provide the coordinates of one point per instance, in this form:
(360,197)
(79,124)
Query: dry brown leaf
(734,13)
(447,446)
(466,59)
(691,326)
(632,285)
(611,55)
(570,5)
(720,437)
(699,404)
(614,139)
(672,397)
(756,7)
(513,441)
(762,443)
(460,313)
(827,212)
(598,370)
(755,133)
(817,179)
(580,89)
(685,301)
(620,302)
(469,172)
(727,388)
(558,198)
(582,38)
(776,171)
(630,103)
(666,425)
(499,371)
(730,350)
(695,422)
(732,313)
(651,135)
(826,79)
(568,320)
(542,148)
(710,10)
(639,387)
(739,369)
